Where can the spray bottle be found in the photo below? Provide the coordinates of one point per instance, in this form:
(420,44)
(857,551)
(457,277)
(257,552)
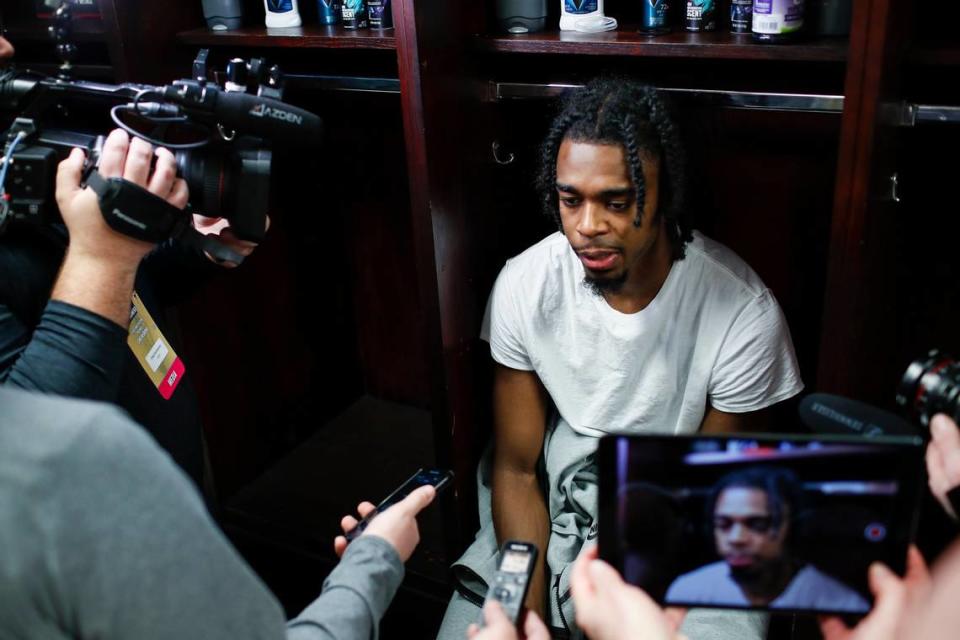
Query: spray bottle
(282,13)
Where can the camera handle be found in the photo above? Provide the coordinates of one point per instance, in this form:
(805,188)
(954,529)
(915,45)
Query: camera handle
(133,211)
(217,250)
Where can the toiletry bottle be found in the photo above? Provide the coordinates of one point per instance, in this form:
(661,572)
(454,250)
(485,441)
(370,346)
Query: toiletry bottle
(282,13)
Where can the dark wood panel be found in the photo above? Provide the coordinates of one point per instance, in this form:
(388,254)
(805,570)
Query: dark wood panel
(141,37)
(306,37)
(626,41)
(859,312)
(430,51)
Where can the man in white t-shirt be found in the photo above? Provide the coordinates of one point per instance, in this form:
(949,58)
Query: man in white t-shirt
(624,321)
(753,511)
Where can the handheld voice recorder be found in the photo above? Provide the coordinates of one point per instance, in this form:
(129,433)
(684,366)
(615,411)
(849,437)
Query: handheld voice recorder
(512,580)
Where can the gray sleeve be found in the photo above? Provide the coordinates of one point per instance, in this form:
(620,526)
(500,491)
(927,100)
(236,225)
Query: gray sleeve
(137,555)
(355,595)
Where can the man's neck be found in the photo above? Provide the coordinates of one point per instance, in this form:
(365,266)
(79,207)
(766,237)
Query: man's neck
(646,278)
(766,588)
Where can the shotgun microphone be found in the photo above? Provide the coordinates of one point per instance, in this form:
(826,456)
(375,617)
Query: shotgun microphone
(826,413)
(257,115)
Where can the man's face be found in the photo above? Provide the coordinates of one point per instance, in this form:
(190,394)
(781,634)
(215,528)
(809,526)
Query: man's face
(745,534)
(6,49)
(598,207)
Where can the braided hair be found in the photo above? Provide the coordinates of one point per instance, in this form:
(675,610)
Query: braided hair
(636,117)
(783,489)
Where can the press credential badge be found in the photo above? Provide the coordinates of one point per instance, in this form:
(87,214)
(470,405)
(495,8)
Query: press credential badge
(152,350)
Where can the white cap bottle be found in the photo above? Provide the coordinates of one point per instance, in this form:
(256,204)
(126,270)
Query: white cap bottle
(584,15)
(282,13)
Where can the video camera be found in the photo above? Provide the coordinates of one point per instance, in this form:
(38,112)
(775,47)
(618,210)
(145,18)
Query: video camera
(221,135)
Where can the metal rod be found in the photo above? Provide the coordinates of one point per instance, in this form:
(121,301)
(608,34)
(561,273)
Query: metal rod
(936,113)
(345,83)
(731,99)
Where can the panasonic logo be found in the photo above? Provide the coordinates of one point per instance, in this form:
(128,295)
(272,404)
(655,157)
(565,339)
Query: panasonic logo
(136,223)
(263,111)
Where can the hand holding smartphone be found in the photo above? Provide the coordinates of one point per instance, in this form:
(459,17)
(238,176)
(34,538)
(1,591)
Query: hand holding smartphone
(399,526)
(786,523)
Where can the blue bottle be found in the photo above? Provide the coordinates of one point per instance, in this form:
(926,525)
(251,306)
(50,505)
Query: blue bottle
(328,11)
(656,17)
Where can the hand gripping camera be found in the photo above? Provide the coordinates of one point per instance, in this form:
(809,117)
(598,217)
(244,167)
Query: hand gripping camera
(221,135)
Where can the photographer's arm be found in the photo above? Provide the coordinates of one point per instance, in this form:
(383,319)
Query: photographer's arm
(519,506)
(358,591)
(77,347)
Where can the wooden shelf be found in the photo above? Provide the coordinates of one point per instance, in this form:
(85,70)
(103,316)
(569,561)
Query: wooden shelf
(84,30)
(935,54)
(312,37)
(627,41)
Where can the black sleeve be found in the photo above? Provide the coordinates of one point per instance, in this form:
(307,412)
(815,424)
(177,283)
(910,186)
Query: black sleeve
(175,270)
(72,352)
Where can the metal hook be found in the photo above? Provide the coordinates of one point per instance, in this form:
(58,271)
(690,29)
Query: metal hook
(227,137)
(495,148)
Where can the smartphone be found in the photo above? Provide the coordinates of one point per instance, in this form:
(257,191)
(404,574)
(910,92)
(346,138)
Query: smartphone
(758,522)
(512,579)
(439,478)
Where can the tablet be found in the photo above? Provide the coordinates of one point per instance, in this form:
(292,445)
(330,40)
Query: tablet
(758,522)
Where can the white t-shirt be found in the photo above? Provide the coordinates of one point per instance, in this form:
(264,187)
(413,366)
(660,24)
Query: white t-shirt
(809,589)
(714,333)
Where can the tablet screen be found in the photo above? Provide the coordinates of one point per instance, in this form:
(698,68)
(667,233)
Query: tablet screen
(764,522)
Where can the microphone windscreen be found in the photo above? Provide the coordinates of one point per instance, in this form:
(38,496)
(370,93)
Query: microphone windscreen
(827,413)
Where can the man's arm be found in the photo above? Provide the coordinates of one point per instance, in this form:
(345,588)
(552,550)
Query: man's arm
(101,264)
(136,555)
(519,506)
(77,348)
(721,422)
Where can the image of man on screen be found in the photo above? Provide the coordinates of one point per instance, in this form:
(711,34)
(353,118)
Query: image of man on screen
(752,512)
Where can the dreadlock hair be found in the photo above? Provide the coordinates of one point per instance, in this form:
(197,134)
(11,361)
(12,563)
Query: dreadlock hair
(620,111)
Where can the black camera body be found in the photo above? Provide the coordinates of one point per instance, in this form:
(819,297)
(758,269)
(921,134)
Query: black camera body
(222,137)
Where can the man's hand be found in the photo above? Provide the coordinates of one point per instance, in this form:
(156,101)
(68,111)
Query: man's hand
(943,460)
(894,596)
(498,626)
(397,525)
(101,264)
(610,609)
(220,229)
(90,236)
(6,49)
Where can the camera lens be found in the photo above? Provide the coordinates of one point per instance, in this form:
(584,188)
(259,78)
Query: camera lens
(931,385)
(209,179)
